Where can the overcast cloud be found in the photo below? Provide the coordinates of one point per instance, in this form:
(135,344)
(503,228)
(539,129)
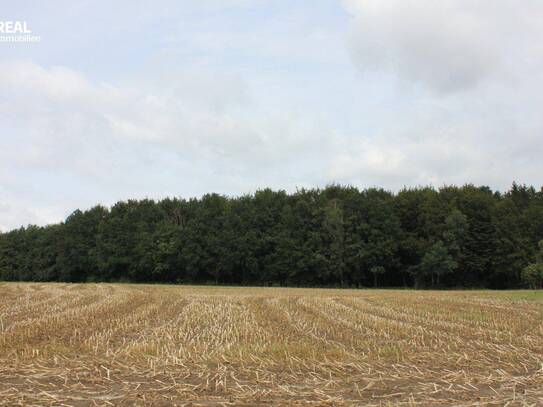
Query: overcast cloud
(183,98)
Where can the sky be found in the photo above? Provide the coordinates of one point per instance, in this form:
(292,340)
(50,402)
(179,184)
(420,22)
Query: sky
(150,99)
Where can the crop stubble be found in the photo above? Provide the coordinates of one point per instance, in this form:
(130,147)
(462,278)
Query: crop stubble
(121,344)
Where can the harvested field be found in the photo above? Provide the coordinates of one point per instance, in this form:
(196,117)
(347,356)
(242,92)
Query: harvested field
(108,344)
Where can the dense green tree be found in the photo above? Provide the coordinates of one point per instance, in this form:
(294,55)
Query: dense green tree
(334,239)
(532,275)
(376,271)
(475,265)
(337,236)
(77,258)
(437,262)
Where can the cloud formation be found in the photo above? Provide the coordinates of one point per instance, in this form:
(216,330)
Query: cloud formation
(448,45)
(199,130)
(468,85)
(180,99)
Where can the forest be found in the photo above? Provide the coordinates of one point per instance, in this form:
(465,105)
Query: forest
(451,237)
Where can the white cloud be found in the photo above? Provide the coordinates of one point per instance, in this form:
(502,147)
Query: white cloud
(102,142)
(207,113)
(447,45)
(469,83)
(232,96)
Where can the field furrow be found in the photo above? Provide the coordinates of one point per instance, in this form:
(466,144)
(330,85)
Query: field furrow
(119,344)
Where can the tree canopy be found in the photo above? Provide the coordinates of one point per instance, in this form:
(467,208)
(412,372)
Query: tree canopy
(465,236)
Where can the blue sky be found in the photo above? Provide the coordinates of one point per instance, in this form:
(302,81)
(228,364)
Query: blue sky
(134,99)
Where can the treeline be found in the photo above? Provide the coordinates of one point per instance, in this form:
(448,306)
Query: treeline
(338,236)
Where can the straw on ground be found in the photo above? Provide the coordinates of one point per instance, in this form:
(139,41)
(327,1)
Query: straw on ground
(109,344)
